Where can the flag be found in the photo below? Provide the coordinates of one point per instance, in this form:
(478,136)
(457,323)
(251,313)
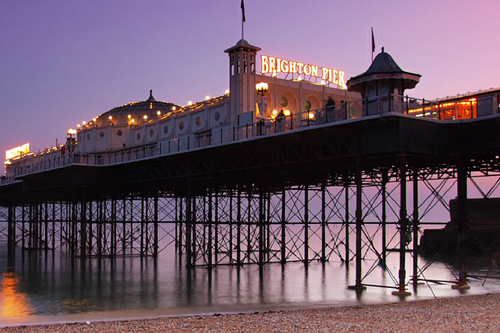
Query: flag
(243,10)
(373,38)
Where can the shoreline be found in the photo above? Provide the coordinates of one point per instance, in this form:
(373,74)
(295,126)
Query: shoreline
(461,313)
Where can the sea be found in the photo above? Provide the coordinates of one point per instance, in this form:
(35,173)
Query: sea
(42,287)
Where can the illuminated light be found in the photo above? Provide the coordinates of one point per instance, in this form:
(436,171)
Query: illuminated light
(190,103)
(299,78)
(78,126)
(145,117)
(129,116)
(207,98)
(94,120)
(71,131)
(151,106)
(132,121)
(17,151)
(323,82)
(84,123)
(262,87)
(174,108)
(275,112)
(277,65)
(226,92)
(110,117)
(286,113)
(158,112)
(311,115)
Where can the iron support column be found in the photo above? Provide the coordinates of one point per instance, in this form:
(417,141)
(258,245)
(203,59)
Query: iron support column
(462,226)
(359,225)
(403,222)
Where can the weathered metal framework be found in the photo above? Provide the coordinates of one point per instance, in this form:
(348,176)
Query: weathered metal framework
(348,191)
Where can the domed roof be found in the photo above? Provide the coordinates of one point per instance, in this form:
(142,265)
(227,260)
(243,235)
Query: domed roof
(383,67)
(150,108)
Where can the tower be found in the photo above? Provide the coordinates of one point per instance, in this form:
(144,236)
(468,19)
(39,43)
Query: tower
(242,66)
(382,86)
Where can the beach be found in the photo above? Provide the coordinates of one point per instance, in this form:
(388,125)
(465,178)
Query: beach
(477,313)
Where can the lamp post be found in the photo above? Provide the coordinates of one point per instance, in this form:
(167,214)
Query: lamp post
(262,88)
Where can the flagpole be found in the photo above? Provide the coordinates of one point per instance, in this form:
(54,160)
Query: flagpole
(243,19)
(373,44)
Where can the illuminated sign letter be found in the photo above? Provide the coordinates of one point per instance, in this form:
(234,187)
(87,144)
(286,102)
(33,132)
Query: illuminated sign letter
(300,66)
(324,73)
(307,69)
(293,69)
(284,66)
(272,64)
(278,65)
(341,79)
(335,76)
(264,65)
(314,71)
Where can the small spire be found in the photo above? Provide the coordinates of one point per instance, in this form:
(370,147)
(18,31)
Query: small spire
(382,49)
(151,98)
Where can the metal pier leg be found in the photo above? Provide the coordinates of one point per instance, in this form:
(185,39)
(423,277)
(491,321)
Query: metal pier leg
(11,234)
(238,231)
(283,226)
(462,226)
(249,226)
(403,233)
(231,226)
(347,220)
(216,228)
(83,230)
(210,241)
(188,230)
(323,222)
(261,227)
(385,180)
(306,225)
(416,226)
(359,225)
(155,240)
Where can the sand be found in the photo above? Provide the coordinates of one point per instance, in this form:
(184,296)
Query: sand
(478,313)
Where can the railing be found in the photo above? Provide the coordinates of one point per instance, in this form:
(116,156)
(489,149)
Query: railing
(263,127)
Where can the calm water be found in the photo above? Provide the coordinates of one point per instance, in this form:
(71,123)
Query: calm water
(41,287)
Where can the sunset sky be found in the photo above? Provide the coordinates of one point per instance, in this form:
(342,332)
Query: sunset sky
(62,62)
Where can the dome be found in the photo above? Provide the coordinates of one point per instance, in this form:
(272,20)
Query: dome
(135,110)
(383,67)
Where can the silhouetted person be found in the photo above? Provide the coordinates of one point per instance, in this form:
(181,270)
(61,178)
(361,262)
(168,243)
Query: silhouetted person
(329,108)
(280,119)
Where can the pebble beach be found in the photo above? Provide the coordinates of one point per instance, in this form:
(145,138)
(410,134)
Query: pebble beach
(477,313)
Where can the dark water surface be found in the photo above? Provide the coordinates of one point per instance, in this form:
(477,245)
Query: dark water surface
(47,287)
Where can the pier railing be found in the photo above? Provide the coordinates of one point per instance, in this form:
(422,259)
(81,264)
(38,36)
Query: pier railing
(275,125)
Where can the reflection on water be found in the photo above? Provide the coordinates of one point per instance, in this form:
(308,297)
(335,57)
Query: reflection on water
(13,304)
(46,286)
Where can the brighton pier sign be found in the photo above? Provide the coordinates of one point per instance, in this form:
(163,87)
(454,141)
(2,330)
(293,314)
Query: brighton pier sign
(274,65)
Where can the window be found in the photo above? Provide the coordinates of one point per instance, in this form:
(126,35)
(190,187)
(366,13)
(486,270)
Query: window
(165,129)
(151,133)
(101,134)
(119,133)
(138,136)
(181,125)
(283,101)
(198,121)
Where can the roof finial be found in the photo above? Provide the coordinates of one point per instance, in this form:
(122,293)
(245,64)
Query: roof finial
(151,98)
(382,49)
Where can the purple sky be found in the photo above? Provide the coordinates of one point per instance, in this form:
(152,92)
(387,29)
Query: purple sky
(62,62)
